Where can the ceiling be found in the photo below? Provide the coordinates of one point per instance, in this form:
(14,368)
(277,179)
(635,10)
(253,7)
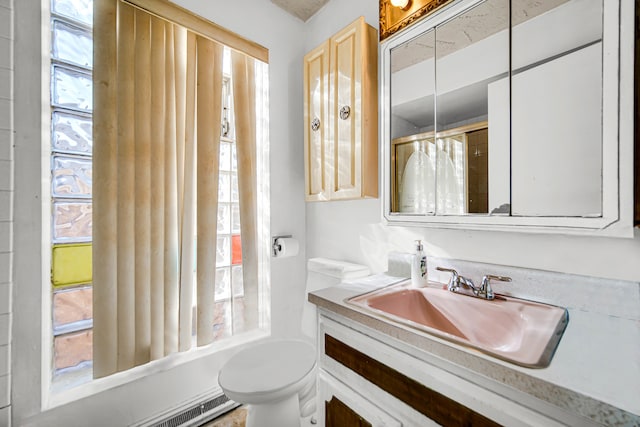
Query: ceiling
(302,9)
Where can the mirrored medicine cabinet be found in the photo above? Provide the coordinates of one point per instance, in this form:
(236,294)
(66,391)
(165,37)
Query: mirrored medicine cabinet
(511,114)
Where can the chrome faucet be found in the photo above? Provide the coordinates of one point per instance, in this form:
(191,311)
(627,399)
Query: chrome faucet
(485,288)
(458,282)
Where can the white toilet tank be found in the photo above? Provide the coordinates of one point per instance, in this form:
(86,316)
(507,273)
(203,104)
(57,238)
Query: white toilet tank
(324,273)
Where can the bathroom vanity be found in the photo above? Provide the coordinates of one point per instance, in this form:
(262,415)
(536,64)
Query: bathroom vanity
(375,371)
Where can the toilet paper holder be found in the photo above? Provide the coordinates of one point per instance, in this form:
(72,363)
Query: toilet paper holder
(275,246)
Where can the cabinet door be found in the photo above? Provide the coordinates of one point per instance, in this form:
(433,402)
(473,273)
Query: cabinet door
(345,109)
(344,407)
(353,110)
(337,413)
(316,106)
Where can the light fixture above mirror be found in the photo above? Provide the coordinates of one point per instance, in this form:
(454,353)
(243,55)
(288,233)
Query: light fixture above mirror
(396,15)
(402,4)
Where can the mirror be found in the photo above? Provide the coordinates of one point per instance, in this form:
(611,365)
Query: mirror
(412,125)
(494,109)
(472,54)
(556,122)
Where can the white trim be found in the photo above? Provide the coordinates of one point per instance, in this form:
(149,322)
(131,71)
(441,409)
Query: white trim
(30,260)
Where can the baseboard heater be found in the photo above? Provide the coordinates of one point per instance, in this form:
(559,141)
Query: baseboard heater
(193,413)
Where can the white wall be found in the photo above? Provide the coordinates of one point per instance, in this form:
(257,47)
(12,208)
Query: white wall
(353,230)
(6,196)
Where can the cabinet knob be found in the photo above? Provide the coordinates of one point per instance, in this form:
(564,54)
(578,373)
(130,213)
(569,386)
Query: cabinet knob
(345,112)
(315,124)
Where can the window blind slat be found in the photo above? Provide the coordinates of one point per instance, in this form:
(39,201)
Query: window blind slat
(157,186)
(188,216)
(142,118)
(104,188)
(209,110)
(171,207)
(126,191)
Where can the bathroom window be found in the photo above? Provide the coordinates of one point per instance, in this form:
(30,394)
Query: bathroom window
(71,199)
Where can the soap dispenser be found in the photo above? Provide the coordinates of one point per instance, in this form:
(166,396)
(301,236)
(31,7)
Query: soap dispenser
(419,266)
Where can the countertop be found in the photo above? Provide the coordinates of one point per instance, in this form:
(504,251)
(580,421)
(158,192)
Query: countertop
(595,372)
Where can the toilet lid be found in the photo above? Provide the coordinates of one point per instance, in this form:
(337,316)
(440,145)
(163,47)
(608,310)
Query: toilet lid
(268,366)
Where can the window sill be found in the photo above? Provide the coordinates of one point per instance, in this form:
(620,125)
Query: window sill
(53,399)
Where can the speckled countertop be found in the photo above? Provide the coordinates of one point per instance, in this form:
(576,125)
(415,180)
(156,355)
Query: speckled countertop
(595,372)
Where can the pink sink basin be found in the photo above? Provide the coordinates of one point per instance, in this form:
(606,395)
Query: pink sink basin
(519,331)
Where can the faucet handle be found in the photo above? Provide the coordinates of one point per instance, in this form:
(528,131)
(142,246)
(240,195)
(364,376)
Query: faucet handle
(455,277)
(486,284)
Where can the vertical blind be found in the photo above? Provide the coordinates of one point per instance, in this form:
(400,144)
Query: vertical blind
(157,126)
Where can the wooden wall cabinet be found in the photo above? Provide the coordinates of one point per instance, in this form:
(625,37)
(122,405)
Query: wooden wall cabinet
(341,116)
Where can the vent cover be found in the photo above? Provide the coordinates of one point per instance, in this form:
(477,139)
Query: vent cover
(192,415)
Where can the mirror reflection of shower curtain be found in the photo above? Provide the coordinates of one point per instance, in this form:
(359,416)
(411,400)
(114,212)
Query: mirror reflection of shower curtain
(434,181)
(417,192)
(451,191)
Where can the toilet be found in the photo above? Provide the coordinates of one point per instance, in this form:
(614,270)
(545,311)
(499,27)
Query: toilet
(277,378)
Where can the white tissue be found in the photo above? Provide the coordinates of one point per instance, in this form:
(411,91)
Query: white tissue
(339,269)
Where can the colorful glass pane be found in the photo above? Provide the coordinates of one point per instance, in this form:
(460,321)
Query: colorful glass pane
(72,305)
(72,44)
(72,221)
(71,177)
(71,133)
(236,249)
(72,89)
(71,264)
(73,349)
(78,10)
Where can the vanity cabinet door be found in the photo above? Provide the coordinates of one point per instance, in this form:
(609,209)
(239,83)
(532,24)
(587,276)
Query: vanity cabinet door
(337,413)
(341,116)
(344,407)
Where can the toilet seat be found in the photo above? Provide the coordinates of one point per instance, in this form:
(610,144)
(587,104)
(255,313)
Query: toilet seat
(267,371)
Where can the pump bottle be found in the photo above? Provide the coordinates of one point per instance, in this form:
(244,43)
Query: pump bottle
(419,266)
